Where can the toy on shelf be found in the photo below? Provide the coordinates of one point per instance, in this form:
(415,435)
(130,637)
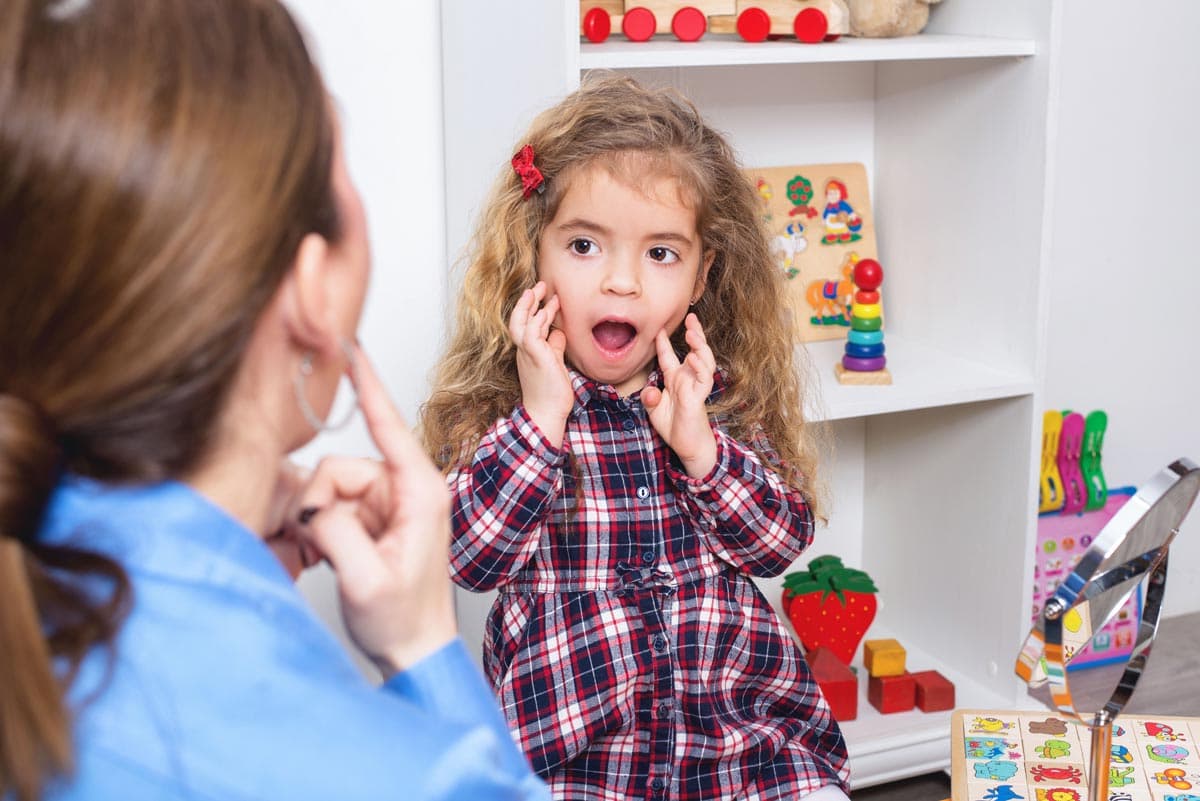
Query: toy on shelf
(864,361)
(884,657)
(1062,539)
(821,225)
(837,681)
(1094,426)
(1050,494)
(1071,477)
(888,18)
(935,692)
(830,605)
(810,21)
(891,694)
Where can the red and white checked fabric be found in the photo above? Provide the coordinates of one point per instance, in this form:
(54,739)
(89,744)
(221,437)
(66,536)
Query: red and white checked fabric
(632,654)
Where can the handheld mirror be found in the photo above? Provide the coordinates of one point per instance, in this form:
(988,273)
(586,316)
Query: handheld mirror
(1130,549)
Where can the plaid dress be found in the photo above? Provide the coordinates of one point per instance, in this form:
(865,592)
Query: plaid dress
(632,654)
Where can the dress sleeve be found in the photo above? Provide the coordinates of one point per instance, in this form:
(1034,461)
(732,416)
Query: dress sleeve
(747,514)
(501,500)
(484,762)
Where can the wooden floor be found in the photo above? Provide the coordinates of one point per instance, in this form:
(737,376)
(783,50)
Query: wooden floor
(1171,683)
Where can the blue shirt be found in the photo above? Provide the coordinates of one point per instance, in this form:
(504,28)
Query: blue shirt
(224,685)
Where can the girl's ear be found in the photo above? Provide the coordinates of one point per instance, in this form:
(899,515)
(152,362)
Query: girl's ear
(305,301)
(702,276)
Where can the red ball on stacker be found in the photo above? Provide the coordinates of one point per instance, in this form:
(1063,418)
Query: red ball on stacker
(868,274)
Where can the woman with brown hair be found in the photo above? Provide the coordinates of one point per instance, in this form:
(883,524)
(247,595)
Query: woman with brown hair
(184,265)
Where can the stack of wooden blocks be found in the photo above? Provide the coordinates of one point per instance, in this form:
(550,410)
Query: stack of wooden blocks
(891,688)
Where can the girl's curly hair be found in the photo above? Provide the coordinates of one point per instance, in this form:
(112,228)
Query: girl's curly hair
(745,317)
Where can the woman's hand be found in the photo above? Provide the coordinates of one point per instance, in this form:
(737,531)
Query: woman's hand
(294,554)
(545,384)
(384,527)
(678,411)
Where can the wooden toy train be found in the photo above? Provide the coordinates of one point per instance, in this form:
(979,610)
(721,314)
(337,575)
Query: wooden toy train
(810,21)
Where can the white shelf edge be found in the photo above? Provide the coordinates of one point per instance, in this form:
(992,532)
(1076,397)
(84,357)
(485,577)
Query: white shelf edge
(922,377)
(714,50)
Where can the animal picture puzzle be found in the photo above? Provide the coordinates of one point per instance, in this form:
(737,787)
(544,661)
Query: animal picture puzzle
(1039,756)
(820,224)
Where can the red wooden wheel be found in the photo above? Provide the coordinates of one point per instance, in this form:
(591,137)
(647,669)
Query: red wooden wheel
(638,24)
(689,24)
(754,24)
(811,25)
(597,25)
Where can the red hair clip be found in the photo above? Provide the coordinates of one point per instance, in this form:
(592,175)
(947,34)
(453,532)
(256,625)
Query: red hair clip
(531,176)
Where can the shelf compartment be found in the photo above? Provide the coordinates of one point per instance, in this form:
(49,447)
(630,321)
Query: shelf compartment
(922,377)
(731,51)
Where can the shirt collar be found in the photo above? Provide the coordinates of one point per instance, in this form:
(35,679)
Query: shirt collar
(587,389)
(166,529)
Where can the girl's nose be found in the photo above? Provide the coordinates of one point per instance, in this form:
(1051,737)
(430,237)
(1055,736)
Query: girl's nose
(622,276)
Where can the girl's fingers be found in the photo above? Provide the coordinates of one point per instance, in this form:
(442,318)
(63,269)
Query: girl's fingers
(667,360)
(547,313)
(520,315)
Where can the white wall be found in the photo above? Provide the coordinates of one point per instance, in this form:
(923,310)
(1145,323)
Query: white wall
(1124,278)
(382,63)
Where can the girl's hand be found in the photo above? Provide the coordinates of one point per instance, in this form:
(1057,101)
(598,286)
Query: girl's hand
(678,412)
(545,384)
(384,527)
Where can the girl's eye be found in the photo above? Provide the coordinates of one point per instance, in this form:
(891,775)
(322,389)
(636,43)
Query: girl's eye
(663,255)
(582,247)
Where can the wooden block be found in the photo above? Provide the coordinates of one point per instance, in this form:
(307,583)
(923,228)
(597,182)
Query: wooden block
(875,377)
(891,694)
(883,657)
(935,692)
(838,683)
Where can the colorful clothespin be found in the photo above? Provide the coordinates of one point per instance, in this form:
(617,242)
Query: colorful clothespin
(1070,444)
(1050,496)
(1089,459)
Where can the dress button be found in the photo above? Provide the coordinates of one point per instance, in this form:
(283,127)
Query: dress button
(657,784)
(643,492)
(628,424)
(659,643)
(649,557)
(664,709)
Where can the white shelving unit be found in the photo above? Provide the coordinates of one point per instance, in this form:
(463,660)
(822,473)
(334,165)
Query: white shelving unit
(935,484)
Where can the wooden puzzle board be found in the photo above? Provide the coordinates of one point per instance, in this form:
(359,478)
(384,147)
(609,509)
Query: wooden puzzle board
(817,237)
(1040,756)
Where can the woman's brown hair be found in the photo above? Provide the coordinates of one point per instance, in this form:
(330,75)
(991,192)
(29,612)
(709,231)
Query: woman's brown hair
(616,124)
(160,163)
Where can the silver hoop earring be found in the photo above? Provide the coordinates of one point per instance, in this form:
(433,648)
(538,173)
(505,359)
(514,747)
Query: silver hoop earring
(306,369)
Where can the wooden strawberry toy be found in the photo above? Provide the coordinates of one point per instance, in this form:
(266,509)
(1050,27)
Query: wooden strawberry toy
(830,605)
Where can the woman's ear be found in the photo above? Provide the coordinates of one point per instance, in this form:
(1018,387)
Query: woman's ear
(306,310)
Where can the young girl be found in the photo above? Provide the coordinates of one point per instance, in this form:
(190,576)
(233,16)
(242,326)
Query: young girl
(620,496)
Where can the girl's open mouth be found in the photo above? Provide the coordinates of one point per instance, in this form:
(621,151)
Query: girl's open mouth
(613,337)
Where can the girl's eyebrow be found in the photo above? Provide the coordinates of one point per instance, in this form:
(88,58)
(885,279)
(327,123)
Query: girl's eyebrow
(581,224)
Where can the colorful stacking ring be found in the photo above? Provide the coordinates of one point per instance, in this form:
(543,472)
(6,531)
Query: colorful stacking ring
(864,351)
(865,337)
(862,295)
(866,310)
(866,324)
(864,365)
